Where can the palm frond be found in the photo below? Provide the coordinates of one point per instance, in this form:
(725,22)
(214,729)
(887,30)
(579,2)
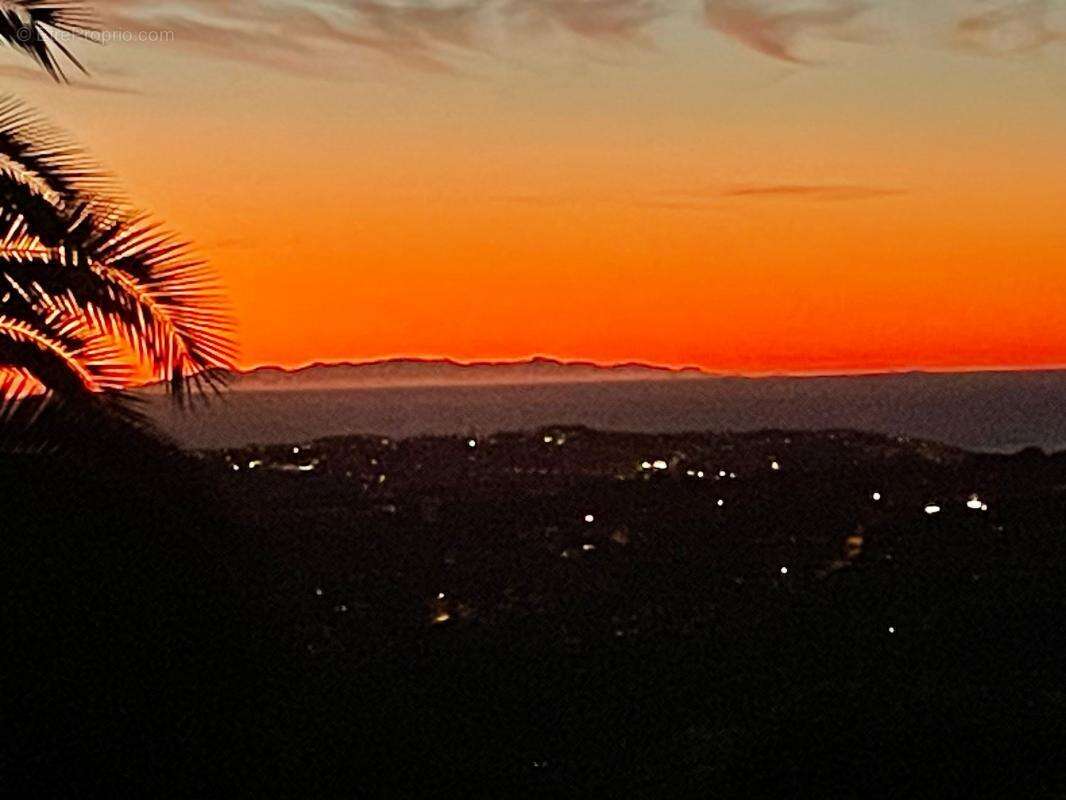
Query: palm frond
(37,156)
(77,266)
(37,28)
(134,282)
(67,357)
(186,329)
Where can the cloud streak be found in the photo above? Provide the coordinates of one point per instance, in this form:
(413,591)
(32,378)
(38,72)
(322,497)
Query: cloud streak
(429,35)
(826,192)
(777,29)
(619,21)
(1010,28)
(440,35)
(308,36)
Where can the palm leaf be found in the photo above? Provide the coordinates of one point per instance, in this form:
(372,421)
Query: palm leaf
(37,28)
(40,158)
(76,266)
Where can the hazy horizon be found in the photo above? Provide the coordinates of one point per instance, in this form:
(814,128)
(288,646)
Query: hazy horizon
(979,411)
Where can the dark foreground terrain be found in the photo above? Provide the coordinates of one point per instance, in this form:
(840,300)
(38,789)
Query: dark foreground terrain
(559,613)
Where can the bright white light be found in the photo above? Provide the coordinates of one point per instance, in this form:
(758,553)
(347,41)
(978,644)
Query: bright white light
(296,451)
(660,464)
(318,592)
(306,467)
(876,496)
(984,506)
(587,547)
(589,518)
(548,440)
(472,443)
(645,465)
(699,474)
(775,466)
(975,503)
(721,473)
(236,468)
(932,509)
(721,503)
(784,570)
(440,595)
(891,629)
(254,464)
(690,473)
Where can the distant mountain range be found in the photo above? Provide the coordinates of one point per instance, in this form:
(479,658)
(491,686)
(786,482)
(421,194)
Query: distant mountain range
(445,372)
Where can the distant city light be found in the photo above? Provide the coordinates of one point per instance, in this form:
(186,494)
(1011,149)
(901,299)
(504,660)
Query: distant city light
(472,443)
(784,570)
(721,473)
(891,629)
(660,464)
(876,496)
(318,592)
(440,595)
(589,518)
(699,474)
(975,503)
(645,465)
(306,467)
(932,509)
(296,451)
(254,464)
(236,468)
(548,440)
(775,466)
(588,547)
(721,503)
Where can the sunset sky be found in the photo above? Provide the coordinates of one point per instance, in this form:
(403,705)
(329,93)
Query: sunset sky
(744,185)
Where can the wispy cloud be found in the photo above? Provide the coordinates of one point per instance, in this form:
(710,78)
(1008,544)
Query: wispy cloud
(1011,28)
(777,29)
(439,35)
(826,192)
(424,34)
(307,36)
(620,21)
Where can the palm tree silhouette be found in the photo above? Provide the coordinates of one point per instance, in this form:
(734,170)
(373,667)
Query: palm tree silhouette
(93,294)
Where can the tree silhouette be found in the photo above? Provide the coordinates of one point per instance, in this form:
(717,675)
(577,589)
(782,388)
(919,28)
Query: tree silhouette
(93,294)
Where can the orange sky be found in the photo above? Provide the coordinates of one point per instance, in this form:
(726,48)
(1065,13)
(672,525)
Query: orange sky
(700,185)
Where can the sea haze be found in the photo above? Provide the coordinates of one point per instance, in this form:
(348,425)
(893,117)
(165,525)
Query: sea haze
(993,411)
